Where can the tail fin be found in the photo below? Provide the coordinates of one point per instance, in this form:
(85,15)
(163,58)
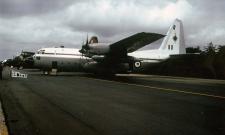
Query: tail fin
(173,43)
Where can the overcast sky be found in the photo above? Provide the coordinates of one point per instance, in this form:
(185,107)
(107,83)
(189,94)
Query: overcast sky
(32,24)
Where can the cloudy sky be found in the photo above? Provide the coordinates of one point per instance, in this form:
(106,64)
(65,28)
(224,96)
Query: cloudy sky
(32,24)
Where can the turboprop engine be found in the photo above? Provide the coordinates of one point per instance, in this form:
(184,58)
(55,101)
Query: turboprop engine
(94,48)
(99,48)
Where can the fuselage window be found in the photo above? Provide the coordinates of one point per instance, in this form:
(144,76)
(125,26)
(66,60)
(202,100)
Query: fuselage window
(171,47)
(168,47)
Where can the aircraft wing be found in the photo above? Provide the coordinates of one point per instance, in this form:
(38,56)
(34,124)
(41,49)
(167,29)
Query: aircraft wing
(133,43)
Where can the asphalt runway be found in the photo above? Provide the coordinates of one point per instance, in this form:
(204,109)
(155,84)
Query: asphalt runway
(84,104)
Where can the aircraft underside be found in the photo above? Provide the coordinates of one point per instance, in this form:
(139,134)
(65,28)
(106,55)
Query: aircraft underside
(81,64)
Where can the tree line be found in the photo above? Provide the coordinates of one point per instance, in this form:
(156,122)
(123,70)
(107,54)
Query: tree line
(206,63)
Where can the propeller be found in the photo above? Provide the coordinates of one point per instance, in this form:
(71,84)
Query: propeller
(85,47)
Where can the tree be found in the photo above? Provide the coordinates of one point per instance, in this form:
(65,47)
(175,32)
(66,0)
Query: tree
(221,51)
(219,62)
(210,49)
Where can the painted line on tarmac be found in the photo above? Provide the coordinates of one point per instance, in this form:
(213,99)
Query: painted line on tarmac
(3,127)
(176,78)
(163,89)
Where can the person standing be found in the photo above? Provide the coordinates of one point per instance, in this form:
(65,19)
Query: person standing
(1,68)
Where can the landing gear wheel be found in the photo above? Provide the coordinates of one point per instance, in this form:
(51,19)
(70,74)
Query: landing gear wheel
(45,72)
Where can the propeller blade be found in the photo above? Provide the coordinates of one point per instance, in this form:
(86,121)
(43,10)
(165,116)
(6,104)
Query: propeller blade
(85,47)
(87,40)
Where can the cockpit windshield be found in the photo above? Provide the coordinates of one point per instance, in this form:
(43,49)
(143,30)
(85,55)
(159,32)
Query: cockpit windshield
(41,52)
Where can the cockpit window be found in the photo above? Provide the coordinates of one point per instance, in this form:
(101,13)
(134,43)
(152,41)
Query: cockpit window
(41,52)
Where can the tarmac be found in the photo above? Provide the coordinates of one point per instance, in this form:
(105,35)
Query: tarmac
(85,104)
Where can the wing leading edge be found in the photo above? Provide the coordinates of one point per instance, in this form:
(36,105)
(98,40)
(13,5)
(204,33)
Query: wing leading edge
(133,43)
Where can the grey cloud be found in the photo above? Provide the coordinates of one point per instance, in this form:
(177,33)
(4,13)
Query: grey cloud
(17,8)
(31,24)
(206,23)
(113,23)
(110,31)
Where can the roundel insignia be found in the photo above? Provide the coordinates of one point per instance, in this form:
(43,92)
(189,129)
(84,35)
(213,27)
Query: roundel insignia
(137,64)
(175,38)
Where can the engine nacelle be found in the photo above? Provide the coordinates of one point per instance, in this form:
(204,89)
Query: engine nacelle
(99,48)
(93,39)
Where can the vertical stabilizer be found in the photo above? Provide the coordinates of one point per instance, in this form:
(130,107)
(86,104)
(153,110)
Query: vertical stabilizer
(174,43)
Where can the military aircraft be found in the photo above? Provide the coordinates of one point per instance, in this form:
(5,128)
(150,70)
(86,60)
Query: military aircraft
(111,58)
